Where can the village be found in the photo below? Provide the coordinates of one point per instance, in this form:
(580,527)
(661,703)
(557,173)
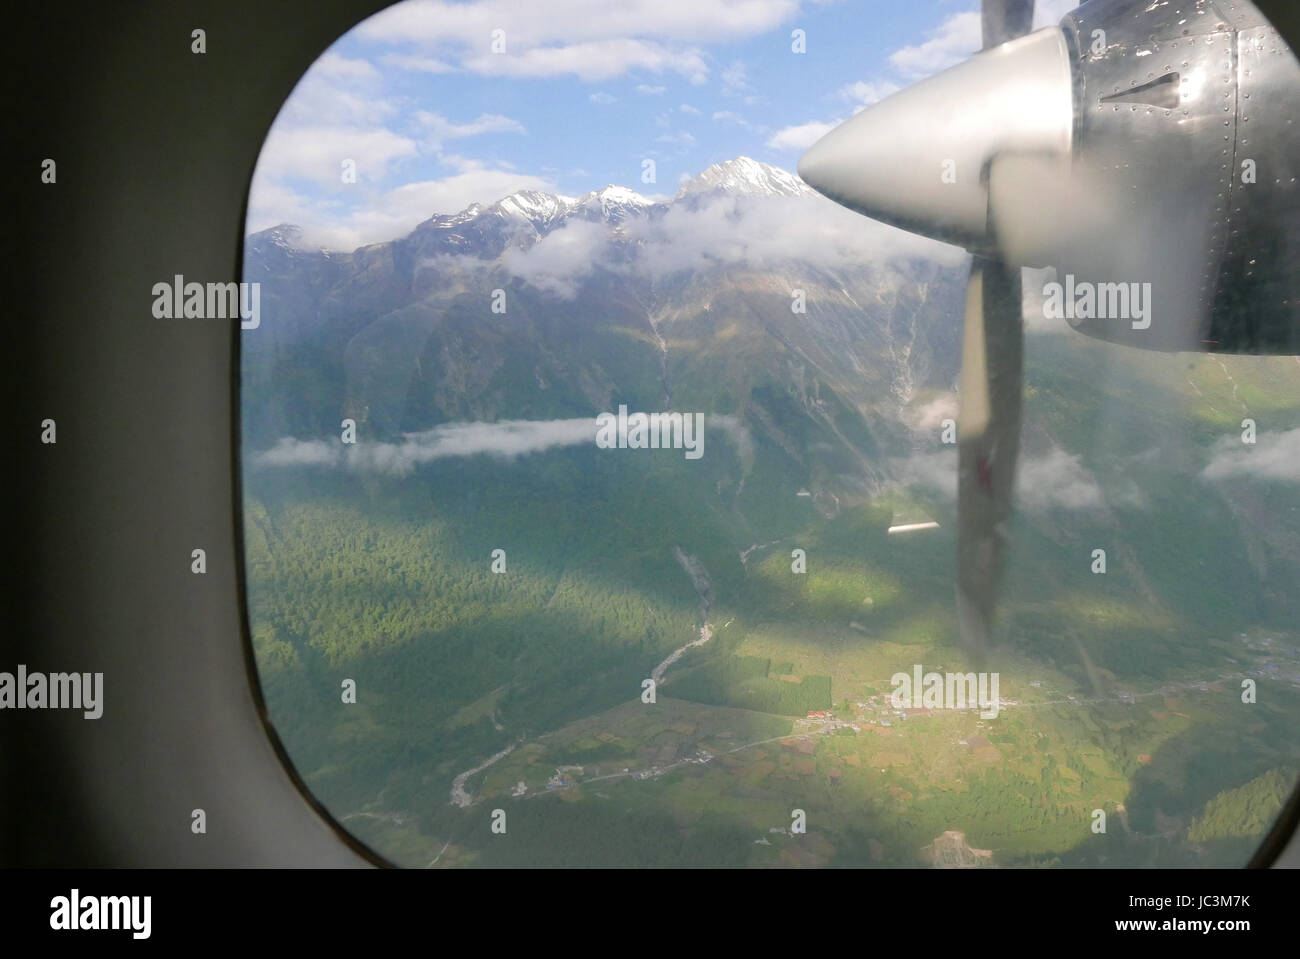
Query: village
(877,710)
(873,713)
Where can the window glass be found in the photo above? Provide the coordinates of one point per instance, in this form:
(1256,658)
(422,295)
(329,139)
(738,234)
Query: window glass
(599,478)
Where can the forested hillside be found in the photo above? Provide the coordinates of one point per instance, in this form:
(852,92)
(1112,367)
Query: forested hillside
(499,589)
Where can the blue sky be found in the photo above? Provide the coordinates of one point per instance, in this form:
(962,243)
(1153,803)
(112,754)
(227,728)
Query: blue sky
(584,92)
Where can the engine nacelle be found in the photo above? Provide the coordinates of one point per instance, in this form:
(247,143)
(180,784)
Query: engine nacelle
(1185,123)
(1146,150)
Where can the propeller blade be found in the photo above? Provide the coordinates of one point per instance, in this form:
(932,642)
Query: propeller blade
(988,442)
(1003,20)
(926,159)
(988,438)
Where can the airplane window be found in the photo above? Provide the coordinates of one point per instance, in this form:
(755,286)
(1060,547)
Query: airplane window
(779,436)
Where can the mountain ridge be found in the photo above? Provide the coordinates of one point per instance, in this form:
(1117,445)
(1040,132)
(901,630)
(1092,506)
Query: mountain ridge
(723,297)
(740,176)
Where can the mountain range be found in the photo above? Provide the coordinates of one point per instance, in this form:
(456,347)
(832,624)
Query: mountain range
(746,295)
(499,588)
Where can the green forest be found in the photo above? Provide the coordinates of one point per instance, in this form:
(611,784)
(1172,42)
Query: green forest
(510,609)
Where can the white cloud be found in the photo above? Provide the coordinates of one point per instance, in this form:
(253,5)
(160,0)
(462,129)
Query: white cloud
(509,439)
(562,259)
(461,163)
(937,471)
(338,112)
(594,61)
(689,110)
(391,214)
(800,137)
(594,41)
(291,452)
(318,100)
(452,194)
(1055,479)
(316,153)
(441,129)
(335,66)
(960,36)
(299,150)
(863,93)
(649,91)
(745,232)
(951,42)
(680,138)
(930,416)
(735,79)
(860,95)
(337,91)
(763,232)
(528,24)
(734,428)
(271,203)
(1275,456)
(419,64)
(602,98)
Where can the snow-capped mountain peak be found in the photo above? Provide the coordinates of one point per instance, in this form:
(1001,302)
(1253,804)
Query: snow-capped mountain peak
(746,177)
(534,206)
(614,203)
(286,236)
(621,195)
(611,204)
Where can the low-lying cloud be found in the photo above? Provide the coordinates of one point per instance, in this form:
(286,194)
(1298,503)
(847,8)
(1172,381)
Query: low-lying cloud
(508,439)
(1274,456)
(930,415)
(750,232)
(1053,480)
(1056,479)
(936,471)
(562,259)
